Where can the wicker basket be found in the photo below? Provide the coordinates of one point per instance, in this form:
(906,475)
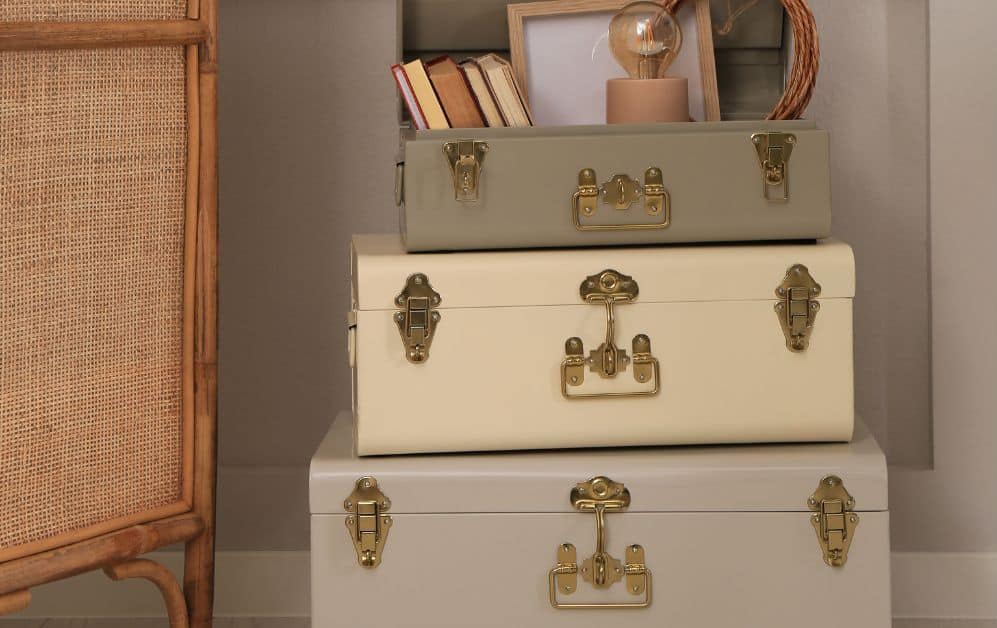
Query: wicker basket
(806,61)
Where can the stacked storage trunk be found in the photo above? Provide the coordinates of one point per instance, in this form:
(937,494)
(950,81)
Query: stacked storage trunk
(665,306)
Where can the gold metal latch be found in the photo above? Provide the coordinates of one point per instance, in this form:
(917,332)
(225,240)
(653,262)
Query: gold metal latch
(600,495)
(834,519)
(774,150)
(466,158)
(621,192)
(797,307)
(366,521)
(609,288)
(417,318)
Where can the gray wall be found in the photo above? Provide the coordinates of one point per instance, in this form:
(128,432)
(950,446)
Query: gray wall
(308,137)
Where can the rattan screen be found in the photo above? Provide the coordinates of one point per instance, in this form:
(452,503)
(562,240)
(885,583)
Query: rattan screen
(93,158)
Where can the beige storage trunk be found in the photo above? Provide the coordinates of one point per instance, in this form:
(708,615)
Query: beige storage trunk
(464,189)
(508,350)
(727,536)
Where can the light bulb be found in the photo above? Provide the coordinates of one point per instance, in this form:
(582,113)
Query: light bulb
(644,38)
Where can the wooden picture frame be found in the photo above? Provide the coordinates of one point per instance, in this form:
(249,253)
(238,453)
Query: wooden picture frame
(115,543)
(701,40)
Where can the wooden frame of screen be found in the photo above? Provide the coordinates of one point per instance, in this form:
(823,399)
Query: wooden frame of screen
(113,545)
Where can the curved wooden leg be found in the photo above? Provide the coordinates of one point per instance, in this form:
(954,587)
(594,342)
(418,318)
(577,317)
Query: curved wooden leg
(14,602)
(176,606)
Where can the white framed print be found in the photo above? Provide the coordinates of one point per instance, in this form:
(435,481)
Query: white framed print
(561,58)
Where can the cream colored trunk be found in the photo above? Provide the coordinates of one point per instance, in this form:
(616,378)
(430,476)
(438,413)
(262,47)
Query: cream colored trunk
(493,376)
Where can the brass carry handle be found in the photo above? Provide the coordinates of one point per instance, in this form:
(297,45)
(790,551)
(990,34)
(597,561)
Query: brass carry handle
(621,192)
(646,585)
(645,365)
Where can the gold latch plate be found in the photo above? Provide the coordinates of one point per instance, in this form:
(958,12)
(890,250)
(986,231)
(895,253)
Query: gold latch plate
(797,307)
(466,159)
(366,522)
(417,317)
(774,150)
(834,519)
(621,192)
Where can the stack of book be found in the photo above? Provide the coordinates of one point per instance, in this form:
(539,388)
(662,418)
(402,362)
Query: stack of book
(476,93)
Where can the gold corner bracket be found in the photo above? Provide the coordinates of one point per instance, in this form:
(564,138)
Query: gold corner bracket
(609,288)
(599,496)
(620,193)
(834,519)
(417,317)
(797,307)
(366,522)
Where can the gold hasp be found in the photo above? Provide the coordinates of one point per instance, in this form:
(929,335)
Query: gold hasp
(834,519)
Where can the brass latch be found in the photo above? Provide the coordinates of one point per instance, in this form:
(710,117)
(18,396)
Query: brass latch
(366,521)
(466,158)
(797,307)
(417,317)
(609,288)
(621,192)
(834,519)
(599,496)
(774,150)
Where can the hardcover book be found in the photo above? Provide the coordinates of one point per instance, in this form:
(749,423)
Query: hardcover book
(408,97)
(454,93)
(415,71)
(486,100)
(508,95)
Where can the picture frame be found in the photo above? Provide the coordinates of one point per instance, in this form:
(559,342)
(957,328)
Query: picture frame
(549,37)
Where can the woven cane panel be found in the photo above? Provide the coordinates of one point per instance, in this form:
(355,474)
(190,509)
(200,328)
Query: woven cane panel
(92,178)
(91,10)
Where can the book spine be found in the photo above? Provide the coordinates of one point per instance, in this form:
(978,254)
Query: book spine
(408,97)
(470,92)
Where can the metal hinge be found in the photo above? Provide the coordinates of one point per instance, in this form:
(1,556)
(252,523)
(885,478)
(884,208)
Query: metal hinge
(774,150)
(399,184)
(609,288)
(366,521)
(797,307)
(620,192)
(599,496)
(351,337)
(466,158)
(834,519)
(417,317)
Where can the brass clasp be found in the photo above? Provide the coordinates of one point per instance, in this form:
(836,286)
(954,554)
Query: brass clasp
(797,307)
(621,192)
(609,288)
(466,159)
(417,317)
(774,150)
(833,520)
(367,524)
(600,495)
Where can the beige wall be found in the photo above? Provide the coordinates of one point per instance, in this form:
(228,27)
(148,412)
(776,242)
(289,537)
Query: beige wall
(308,137)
